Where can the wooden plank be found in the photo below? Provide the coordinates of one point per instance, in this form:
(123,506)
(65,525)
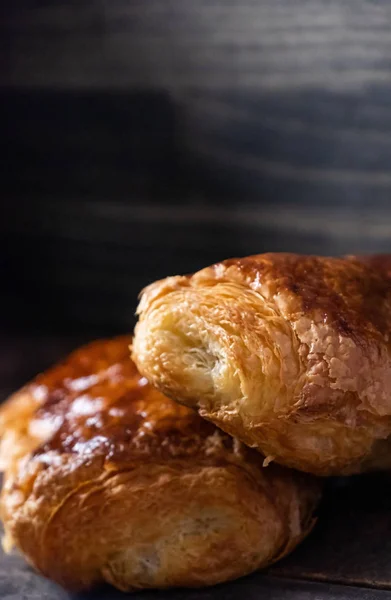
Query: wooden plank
(19,582)
(83,262)
(273,100)
(351,542)
(305,148)
(336,45)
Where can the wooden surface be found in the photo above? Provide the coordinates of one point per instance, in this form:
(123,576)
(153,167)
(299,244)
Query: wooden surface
(284,99)
(18,582)
(335,45)
(147,138)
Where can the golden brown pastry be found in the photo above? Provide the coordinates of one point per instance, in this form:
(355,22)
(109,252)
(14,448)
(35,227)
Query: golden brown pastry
(289,353)
(108,480)
(379,262)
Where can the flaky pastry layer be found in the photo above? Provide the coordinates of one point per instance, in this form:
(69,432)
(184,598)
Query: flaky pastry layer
(108,480)
(289,353)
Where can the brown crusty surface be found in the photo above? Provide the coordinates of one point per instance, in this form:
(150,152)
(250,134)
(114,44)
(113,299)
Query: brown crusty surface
(108,480)
(289,353)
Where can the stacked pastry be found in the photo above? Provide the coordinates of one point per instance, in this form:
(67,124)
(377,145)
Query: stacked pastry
(111,475)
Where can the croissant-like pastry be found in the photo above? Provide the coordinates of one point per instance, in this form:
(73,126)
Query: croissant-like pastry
(289,353)
(108,480)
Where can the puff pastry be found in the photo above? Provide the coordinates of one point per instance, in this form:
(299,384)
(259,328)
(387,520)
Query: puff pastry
(108,480)
(289,353)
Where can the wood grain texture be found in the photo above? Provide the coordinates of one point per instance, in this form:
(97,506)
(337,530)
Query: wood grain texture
(152,138)
(275,45)
(80,264)
(19,582)
(279,99)
(351,543)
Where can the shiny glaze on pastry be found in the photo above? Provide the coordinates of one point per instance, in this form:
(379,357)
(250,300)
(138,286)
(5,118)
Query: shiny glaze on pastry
(378,262)
(108,480)
(289,353)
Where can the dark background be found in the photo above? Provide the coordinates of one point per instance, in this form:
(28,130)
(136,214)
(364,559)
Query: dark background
(149,138)
(152,137)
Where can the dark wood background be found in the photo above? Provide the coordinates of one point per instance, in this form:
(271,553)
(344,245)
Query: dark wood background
(146,138)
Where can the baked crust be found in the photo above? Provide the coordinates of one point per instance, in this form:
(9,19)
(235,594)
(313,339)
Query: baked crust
(289,353)
(108,480)
(378,262)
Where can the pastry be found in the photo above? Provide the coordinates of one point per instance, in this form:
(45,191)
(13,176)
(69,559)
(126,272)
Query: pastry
(288,353)
(105,479)
(379,262)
